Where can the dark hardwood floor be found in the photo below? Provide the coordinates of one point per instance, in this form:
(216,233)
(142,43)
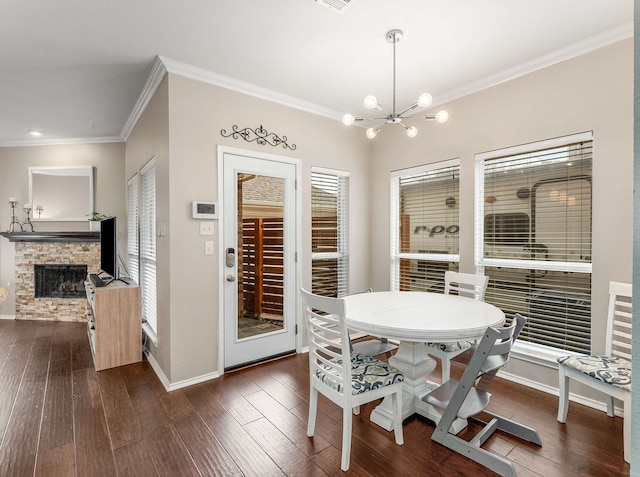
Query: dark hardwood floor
(58,417)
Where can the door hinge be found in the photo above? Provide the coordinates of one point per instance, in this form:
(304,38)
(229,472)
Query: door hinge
(295,184)
(296,329)
(295,257)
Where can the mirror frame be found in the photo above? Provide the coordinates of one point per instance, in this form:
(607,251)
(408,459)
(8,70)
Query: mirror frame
(84,171)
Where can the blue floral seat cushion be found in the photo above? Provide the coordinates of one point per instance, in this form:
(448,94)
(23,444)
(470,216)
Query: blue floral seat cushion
(452,346)
(608,369)
(367,373)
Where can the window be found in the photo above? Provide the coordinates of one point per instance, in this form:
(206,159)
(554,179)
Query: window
(533,237)
(425,225)
(133,253)
(329,232)
(148,245)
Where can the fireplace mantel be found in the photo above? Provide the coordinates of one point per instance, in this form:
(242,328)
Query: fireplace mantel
(52,236)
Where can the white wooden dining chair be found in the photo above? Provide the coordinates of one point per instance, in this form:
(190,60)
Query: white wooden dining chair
(468,397)
(463,284)
(611,372)
(362,380)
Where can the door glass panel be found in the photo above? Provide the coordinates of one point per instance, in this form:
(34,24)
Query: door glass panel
(261,261)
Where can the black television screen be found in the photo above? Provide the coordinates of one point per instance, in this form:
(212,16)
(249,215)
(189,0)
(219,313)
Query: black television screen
(108,247)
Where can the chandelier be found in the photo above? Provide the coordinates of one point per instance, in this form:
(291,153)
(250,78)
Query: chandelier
(370,102)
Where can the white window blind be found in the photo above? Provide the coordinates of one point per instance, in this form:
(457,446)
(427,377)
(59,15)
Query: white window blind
(425,225)
(533,237)
(329,232)
(148,245)
(133,251)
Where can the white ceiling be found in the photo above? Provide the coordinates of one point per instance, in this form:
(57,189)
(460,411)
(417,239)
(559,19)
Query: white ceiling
(74,69)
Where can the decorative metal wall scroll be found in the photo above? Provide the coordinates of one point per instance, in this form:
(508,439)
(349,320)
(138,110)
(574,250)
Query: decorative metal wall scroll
(259,135)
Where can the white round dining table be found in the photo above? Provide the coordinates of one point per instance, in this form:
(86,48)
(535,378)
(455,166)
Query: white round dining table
(415,318)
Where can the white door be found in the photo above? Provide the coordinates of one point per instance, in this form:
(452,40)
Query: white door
(259,234)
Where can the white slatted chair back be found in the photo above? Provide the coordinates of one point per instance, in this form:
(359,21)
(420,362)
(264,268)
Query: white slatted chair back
(609,373)
(465,284)
(619,321)
(347,379)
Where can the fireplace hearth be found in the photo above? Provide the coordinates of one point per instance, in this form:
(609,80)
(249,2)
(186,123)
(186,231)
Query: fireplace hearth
(59,281)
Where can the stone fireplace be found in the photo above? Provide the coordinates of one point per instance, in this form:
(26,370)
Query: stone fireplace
(66,258)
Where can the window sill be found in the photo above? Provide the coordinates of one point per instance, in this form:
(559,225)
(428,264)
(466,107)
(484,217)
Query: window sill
(146,329)
(539,354)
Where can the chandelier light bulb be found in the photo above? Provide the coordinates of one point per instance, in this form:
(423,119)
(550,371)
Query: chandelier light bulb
(442,116)
(372,132)
(370,102)
(424,100)
(348,119)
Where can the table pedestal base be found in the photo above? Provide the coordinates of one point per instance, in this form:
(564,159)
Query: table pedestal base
(415,364)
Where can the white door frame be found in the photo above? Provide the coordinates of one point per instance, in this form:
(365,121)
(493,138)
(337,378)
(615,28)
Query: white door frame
(222,150)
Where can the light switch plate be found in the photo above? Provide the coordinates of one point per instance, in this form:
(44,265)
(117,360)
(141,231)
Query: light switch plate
(208,247)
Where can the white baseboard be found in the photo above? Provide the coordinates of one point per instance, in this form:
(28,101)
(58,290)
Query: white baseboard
(599,405)
(592,403)
(7,317)
(169,386)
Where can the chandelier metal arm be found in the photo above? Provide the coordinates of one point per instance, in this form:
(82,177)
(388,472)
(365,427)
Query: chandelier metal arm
(385,118)
(370,102)
(380,108)
(413,107)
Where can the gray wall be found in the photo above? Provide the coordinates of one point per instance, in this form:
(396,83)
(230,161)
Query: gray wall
(188,281)
(590,93)
(109,192)
(181,128)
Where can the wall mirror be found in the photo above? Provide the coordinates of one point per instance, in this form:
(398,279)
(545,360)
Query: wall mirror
(62,194)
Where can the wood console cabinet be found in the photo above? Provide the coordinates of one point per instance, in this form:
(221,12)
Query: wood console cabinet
(114,324)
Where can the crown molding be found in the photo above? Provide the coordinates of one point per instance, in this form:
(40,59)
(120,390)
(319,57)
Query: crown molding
(151,85)
(206,76)
(577,49)
(62,141)
(163,65)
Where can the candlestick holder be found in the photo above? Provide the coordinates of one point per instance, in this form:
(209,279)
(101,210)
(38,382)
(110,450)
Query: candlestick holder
(15,223)
(26,225)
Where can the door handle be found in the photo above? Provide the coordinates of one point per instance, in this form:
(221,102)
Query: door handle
(230,259)
(231,278)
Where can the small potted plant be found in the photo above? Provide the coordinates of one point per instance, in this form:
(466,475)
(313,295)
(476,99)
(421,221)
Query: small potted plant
(94,221)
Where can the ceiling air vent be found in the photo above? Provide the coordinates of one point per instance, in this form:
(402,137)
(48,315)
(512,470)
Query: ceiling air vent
(335,5)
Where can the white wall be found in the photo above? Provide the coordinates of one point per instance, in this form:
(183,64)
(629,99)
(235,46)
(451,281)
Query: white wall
(591,93)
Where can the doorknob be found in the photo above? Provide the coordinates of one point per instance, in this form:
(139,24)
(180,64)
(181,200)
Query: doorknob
(231,278)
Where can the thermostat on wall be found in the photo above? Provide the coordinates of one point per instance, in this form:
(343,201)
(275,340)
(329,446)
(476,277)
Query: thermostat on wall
(204,210)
